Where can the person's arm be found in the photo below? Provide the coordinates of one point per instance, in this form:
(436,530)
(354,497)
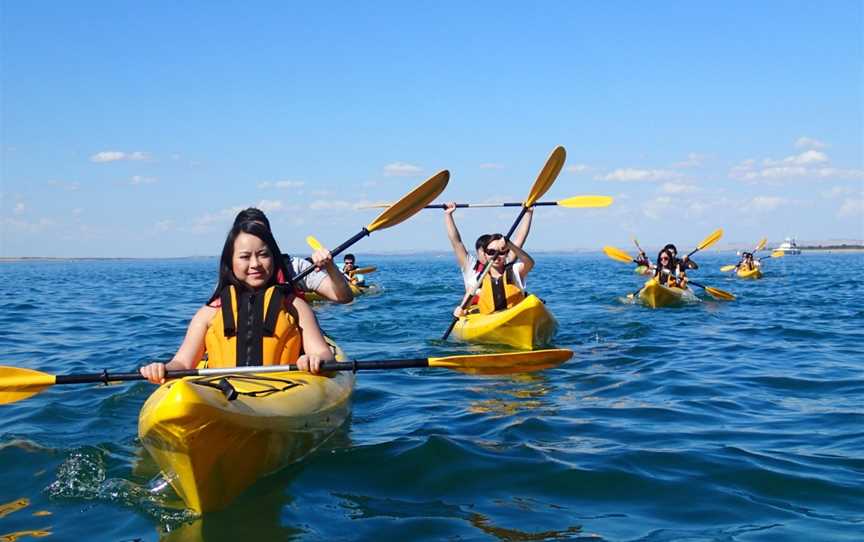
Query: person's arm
(524,229)
(524,257)
(329,283)
(190,352)
(315,347)
(453,235)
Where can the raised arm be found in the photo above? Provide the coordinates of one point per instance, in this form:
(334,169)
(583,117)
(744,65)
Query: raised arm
(524,257)
(524,229)
(453,235)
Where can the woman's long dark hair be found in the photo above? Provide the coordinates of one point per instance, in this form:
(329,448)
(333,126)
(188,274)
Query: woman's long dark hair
(226,272)
(659,271)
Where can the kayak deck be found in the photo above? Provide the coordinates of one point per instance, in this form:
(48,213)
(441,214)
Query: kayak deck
(656,295)
(526,326)
(211,448)
(755,273)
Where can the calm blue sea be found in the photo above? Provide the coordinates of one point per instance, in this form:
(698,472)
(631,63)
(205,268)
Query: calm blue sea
(724,421)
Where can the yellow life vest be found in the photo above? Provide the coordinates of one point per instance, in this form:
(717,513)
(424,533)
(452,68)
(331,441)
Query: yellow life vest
(500,294)
(255,329)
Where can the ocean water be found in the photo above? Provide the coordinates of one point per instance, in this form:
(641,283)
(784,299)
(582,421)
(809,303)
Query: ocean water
(727,421)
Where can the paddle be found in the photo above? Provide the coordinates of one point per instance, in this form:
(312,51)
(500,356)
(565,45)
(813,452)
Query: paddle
(761,245)
(707,242)
(621,256)
(18,383)
(400,211)
(575,202)
(315,245)
(363,270)
(544,180)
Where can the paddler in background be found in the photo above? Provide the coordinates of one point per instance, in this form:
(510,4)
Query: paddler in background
(685,263)
(669,270)
(747,262)
(349,270)
(472,266)
(256,322)
(327,281)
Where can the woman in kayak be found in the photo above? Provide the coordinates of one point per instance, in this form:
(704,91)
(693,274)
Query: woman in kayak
(669,271)
(747,262)
(504,285)
(255,323)
(472,266)
(685,263)
(326,280)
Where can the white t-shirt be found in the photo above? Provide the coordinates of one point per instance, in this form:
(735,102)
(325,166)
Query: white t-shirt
(469,275)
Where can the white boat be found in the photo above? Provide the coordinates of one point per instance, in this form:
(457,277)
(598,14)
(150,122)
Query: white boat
(789,246)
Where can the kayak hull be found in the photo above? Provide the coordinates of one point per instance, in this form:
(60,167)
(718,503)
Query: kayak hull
(656,295)
(211,449)
(357,291)
(752,274)
(526,326)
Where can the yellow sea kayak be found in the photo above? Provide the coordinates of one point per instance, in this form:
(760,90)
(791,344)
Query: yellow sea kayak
(755,273)
(527,326)
(655,295)
(212,448)
(355,290)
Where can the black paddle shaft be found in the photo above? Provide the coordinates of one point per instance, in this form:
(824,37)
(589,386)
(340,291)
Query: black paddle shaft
(338,250)
(469,205)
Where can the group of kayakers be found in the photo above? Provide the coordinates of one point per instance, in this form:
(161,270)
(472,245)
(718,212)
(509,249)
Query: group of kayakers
(668,269)
(250,318)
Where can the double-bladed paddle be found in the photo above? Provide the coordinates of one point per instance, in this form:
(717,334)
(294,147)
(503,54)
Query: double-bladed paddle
(17,383)
(575,202)
(400,211)
(759,246)
(544,180)
(315,245)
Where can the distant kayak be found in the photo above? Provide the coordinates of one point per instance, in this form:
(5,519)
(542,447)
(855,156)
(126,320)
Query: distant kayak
(656,295)
(755,273)
(314,297)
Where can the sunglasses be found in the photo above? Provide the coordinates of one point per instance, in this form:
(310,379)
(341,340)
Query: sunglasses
(492,253)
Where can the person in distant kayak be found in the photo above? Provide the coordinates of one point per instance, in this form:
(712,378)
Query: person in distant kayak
(669,271)
(504,285)
(326,280)
(747,262)
(685,263)
(349,269)
(249,320)
(471,266)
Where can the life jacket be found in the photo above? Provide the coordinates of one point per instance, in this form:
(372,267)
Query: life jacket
(499,294)
(255,329)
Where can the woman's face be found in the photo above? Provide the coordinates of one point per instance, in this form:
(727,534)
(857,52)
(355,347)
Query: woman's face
(496,251)
(252,261)
(664,259)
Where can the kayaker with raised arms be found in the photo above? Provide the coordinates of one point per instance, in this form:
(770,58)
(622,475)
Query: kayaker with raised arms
(257,323)
(472,266)
(327,281)
(504,285)
(747,262)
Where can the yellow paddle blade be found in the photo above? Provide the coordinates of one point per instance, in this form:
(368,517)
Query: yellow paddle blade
(579,202)
(778,254)
(617,254)
(761,244)
(17,383)
(374,206)
(711,239)
(505,363)
(411,202)
(364,270)
(720,294)
(726,268)
(312,242)
(547,175)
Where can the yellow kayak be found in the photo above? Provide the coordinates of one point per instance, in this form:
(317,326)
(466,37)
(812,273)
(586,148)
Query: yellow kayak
(526,326)
(355,290)
(212,448)
(655,295)
(755,273)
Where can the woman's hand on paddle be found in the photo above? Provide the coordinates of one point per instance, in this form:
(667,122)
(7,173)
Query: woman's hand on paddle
(449,208)
(154,373)
(458,312)
(311,363)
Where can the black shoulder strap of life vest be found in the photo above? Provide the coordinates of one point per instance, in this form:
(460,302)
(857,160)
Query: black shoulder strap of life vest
(273,309)
(228,323)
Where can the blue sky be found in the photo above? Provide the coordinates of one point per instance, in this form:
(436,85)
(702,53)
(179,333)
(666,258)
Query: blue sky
(139,129)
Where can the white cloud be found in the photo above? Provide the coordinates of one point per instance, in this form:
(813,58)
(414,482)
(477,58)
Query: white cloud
(806,158)
(399,169)
(19,209)
(281,184)
(677,188)
(657,208)
(693,160)
(577,168)
(804,142)
(808,164)
(852,207)
(329,204)
(114,156)
(269,205)
(838,191)
(26,226)
(491,165)
(760,204)
(138,179)
(632,174)
(165,225)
